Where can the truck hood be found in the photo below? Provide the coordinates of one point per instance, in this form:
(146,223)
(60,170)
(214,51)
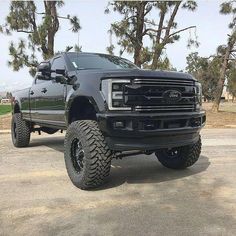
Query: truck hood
(136,73)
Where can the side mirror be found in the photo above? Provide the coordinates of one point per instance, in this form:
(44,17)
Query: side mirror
(60,71)
(60,79)
(45,69)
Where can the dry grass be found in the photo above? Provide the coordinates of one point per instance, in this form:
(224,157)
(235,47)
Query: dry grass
(226,118)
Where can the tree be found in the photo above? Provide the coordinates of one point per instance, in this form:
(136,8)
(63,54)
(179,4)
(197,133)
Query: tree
(8,95)
(232,81)
(167,33)
(136,26)
(131,29)
(225,53)
(40,28)
(206,71)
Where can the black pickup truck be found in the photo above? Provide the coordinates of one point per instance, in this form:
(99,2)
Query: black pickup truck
(110,109)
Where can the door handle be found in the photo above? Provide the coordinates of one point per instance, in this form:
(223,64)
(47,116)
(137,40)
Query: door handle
(31,92)
(44,90)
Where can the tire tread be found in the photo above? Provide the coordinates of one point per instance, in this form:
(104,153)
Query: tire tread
(23,131)
(99,156)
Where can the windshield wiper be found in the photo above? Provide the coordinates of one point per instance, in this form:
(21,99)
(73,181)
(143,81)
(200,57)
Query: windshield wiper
(87,68)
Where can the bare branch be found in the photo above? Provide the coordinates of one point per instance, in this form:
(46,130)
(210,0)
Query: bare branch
(219,56)
(150,8)
(171,21)
(153,30)
(176,32)
(61,17)
(161,21)
(25,31)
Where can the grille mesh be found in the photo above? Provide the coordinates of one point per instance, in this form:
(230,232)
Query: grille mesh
(148,94)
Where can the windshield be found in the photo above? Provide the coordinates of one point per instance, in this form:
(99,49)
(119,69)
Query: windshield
(99,61)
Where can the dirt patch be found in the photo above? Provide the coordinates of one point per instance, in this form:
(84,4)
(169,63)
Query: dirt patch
(5,121)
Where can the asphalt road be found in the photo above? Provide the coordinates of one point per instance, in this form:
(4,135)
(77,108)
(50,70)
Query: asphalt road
(141,198)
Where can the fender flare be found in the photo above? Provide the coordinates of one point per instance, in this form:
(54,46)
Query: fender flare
(69,104)
(15,102)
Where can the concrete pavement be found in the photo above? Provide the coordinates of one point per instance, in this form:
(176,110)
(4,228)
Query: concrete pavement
(141,198)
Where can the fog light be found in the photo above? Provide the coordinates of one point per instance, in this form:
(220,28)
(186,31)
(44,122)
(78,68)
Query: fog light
(195,122)
(119,124)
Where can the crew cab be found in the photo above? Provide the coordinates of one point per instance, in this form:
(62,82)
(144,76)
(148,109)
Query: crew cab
(110,108)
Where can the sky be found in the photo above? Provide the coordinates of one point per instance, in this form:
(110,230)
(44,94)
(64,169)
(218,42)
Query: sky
(212,30)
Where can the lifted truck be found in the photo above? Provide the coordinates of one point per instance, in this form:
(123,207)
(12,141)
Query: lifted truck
(110,109)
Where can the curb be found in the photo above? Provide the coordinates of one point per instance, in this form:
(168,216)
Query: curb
(219,127)
(230,126)
(5,131)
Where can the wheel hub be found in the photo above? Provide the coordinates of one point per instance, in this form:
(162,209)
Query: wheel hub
(14,129)
(173,153)
(77,155)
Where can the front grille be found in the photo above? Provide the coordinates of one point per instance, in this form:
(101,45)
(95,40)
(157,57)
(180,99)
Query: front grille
(163,95)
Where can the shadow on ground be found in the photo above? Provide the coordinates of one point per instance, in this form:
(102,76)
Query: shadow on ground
(134,169)
(56,143)
(146,169)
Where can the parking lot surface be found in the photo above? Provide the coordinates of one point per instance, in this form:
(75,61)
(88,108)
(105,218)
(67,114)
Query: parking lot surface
(141,198)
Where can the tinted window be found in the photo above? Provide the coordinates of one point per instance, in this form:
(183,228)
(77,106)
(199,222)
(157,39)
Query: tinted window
(59,64)
(99,61)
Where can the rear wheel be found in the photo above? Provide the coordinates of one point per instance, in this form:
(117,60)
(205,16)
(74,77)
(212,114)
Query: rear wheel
(20,131)
(87,157)
(180,157)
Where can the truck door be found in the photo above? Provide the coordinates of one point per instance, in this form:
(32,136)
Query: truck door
(50,101)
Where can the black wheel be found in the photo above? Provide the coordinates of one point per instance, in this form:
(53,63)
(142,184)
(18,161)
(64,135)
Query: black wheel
(20,131)
(87,157)
(180,157)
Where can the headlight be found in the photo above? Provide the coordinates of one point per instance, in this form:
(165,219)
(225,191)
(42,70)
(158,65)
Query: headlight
(199,93)
(112,90)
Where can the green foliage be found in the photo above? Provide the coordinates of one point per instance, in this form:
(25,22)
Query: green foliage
(4,109)
(228,8)
(163,64)
(77,48)
(205,71)
(40,28)
(110,49)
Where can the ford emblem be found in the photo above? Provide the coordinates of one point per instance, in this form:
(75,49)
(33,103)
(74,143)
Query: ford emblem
(172,96)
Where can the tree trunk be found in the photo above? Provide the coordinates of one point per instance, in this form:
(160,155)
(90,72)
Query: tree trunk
(51,13)
(158,44)
(139,34)
(156,56)
(221,81)
(158,49)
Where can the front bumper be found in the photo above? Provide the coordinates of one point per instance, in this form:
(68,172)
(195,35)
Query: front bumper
(150,131)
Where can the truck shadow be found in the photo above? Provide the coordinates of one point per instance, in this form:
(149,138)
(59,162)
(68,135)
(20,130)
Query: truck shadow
(134,169)
(147,169)
(56,143)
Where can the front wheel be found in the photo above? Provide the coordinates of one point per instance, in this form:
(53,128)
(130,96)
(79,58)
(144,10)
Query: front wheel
(87,156)
(180,157)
